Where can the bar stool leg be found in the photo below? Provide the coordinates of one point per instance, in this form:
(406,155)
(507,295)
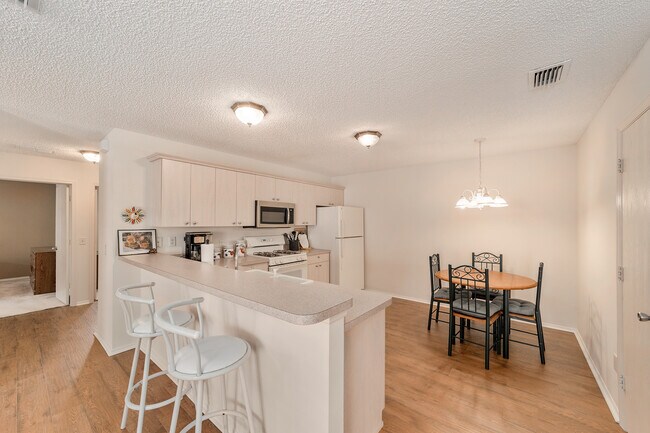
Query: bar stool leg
(199,407)
(145,382)
(249,412)
(225,403)
(177,406)
(134,366)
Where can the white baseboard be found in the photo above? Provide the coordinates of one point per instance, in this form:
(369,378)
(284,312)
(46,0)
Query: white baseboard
(113,351)
(14,279)
(81,303)
(613,408)
(611,404)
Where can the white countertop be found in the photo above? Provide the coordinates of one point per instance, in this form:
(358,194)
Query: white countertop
(284,298)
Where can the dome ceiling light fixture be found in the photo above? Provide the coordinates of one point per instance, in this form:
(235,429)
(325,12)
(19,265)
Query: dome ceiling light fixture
(249,113)
(480,197)
(368,138)
(91,156)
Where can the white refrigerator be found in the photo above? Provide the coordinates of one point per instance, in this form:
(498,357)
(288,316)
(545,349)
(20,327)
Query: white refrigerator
(340,230)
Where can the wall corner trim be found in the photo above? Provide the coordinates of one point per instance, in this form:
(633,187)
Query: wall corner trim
(113,351)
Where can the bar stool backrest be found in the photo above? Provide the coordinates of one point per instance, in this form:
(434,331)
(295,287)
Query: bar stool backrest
(132,305)
(165,321)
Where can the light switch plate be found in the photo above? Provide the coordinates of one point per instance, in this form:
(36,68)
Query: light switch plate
(172,241)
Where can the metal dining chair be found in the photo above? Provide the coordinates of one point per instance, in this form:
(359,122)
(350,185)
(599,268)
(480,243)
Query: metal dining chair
(529,312)
(467,280)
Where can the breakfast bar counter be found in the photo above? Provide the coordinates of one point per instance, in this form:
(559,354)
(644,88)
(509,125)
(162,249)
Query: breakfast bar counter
(318,349)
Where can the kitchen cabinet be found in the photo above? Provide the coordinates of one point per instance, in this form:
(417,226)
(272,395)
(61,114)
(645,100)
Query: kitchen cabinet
(195,194)
(43,270)
(235,198)
(328,196)
(318,267)
(305,204)
(175,183)
(245,199)
(272,189)
(225,198)
(202,195)
(187,194)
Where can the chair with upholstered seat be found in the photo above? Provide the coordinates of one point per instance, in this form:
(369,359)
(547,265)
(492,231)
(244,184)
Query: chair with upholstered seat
(202,359)
(491,261)
(439,293)
(465,281)
(139,314)
(529,312)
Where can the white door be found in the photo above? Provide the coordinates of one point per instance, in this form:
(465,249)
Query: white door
(265,188)
(636,264)
(175,198)
(61,239)
(285,191)
(350,221)
(351,263)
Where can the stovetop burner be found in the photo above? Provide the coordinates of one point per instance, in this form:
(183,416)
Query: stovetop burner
(285,252)
(266,254)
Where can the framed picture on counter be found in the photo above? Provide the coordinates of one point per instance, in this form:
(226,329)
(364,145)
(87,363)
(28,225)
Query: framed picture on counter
(131,242)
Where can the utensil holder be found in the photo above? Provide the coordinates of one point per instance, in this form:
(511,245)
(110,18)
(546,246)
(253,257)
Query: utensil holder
(294,245)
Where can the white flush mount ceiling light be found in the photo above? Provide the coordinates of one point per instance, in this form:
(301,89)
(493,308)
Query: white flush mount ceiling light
(91,156)
(480,197)
(368,138)
(249,113)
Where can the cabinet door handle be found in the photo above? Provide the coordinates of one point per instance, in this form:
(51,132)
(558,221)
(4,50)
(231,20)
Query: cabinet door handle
(234,224)
(187,223)
(239,223)
(194,223)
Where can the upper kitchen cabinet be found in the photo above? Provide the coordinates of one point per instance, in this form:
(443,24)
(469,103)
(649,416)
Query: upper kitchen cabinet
(184,194)
(272,189)
(235,198)
(226,198)
(245,199)
(305,204)
(328,196)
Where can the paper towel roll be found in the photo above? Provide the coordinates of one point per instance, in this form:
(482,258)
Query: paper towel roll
(207,253)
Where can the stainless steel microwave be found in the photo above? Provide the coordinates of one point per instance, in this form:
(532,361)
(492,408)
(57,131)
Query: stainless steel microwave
(273,214)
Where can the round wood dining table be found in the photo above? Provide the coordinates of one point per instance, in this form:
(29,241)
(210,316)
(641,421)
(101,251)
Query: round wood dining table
(500,281)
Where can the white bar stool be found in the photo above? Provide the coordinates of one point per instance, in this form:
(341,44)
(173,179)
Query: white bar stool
(204,358)
(141,325)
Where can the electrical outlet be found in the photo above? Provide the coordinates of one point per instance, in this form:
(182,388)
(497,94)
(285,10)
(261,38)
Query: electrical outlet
(172,241)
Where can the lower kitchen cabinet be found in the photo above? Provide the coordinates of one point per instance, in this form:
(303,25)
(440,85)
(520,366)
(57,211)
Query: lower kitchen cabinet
(319,267)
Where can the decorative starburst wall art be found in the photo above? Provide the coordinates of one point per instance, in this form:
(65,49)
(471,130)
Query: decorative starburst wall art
(133,215)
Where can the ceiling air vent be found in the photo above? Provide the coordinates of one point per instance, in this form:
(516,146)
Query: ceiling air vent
(34,5)
(544,77)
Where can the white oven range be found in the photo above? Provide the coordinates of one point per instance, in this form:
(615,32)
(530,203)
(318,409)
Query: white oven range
(281,261)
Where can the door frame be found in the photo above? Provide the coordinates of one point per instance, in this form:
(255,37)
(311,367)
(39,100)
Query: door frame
(620,356)
(69,218)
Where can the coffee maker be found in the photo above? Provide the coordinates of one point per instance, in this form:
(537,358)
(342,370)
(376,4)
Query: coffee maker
(193,242)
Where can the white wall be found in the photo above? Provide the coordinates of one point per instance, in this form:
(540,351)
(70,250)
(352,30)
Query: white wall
(410,214)
(597,153)
(83,177)
(123,176)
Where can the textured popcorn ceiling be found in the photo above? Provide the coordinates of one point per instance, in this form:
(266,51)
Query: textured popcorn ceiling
(430,75)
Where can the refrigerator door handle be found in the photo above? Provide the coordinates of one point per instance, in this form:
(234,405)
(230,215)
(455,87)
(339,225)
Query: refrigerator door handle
(341,242)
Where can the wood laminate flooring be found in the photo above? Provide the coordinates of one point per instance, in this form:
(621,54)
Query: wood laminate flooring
(55,377)
(428,391)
